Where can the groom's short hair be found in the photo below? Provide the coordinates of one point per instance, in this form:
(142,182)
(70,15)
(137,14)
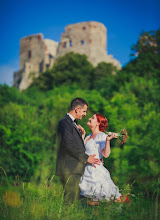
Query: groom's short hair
(78,101)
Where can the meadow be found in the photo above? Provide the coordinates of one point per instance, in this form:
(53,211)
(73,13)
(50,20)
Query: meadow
(45,201)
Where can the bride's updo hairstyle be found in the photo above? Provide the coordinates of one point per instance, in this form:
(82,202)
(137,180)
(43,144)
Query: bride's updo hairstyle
(103,122)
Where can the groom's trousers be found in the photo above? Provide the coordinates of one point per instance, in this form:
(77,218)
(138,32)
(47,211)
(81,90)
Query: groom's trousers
(71,188)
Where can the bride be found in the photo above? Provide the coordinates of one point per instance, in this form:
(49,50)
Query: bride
(96,183)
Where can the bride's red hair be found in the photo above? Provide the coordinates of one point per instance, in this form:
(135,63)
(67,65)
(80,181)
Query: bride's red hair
(103,122)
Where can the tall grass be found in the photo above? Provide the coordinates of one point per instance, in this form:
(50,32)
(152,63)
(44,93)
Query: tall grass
(25,201)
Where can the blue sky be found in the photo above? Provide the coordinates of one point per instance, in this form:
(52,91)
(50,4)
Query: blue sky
(124,20)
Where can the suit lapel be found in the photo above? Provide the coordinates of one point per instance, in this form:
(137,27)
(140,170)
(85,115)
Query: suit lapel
(74,125)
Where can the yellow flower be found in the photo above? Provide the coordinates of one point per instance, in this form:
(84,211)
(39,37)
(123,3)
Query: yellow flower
(12,199)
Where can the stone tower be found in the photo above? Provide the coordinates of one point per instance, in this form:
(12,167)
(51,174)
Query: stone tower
(36,54)
(87,38)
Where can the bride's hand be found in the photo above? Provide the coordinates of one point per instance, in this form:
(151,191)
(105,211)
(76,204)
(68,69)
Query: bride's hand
(81,130)
(110,137)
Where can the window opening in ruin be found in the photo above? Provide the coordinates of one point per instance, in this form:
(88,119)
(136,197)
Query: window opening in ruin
(29,54)
(28,39)
(84,28)
(70,43)
(39,37)
(19,81)
(64,44)
(82,42)
(47,66)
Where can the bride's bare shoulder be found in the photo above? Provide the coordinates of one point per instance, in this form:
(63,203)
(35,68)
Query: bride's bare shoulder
(87,138)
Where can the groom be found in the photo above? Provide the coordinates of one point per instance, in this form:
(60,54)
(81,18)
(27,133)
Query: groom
(71,157)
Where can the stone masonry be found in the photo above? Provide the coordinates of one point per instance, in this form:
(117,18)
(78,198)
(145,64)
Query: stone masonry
(37,53)
(87,38)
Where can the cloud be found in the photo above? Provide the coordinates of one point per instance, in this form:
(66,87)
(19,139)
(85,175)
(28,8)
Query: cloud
(7,73)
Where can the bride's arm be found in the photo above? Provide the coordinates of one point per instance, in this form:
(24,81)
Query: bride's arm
(107,150)
(82,131)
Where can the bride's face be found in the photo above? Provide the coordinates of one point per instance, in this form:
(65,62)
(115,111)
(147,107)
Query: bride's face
(92,122)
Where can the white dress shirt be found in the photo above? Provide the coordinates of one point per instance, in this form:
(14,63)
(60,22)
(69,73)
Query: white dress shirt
(71,117)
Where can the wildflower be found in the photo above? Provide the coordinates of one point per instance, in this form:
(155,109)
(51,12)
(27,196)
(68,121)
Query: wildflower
(125,199)
(12,199)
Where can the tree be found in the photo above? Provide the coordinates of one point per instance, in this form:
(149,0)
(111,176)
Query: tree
(8,94)
(104,79)
(146,56)
(23,137)
(68,70)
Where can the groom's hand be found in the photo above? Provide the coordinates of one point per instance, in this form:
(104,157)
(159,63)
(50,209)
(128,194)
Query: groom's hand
(93,160)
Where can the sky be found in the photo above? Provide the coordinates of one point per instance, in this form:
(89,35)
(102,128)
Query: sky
(125,20)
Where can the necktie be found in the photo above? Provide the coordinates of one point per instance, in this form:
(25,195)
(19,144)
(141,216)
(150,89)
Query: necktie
(75,120)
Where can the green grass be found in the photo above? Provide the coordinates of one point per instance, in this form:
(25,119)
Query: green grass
(28,201)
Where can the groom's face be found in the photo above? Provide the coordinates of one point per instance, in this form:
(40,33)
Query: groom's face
(81,111)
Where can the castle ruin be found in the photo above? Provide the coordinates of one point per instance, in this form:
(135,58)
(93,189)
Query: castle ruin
(37,54)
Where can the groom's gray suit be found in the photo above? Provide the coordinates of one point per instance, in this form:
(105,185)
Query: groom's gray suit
(71,157)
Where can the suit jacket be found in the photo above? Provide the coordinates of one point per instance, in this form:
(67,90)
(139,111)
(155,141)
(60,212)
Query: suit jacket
(71,155)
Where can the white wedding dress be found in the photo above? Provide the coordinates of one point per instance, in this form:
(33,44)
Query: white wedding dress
(96,183)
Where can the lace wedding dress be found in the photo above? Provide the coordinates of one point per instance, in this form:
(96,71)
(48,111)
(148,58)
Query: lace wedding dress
(96,183)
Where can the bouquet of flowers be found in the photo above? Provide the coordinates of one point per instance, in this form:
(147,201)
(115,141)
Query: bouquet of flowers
(122,135)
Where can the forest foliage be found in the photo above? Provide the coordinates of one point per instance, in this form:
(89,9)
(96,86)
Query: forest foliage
(129,98)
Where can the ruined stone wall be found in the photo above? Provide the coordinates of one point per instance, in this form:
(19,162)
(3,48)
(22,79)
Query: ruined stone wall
(89,38)
(32,49)
(36,55)
(82,38)
(50,53)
